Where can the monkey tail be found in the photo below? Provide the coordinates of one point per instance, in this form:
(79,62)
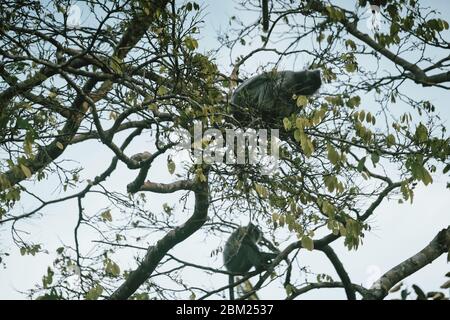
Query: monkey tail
(265,15)
(231,286)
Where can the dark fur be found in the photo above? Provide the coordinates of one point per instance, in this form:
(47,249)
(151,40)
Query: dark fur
(269,95)
(265,15)
(241,253)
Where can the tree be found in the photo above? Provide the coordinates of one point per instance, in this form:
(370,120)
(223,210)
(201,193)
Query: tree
(131,78)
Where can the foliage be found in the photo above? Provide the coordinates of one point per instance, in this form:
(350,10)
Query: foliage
(134,73)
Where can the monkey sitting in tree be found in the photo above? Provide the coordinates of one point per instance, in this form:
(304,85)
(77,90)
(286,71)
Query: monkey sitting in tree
(241,253)
(269,96)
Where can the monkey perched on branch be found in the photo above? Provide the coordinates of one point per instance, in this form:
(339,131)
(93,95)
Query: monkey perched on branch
(241,253)
(269,95)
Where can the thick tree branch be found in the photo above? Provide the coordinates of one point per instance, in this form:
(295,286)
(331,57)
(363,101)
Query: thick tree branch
(439,245)
(168,187)
(158,251)
(297,292)
(415,72)
(347,283)
(49,153)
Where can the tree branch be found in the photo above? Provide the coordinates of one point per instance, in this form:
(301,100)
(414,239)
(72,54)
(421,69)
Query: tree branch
(347,283)
(297,292)
(439,245)
(157,252)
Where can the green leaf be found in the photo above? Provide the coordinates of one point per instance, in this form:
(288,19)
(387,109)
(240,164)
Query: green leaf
(190,43)
(362,115)
(354,101)
(328,208)
(94,293)
(446,169)
(289,289)
(301,123)
(28,147)
(48,279)
(333,155)
(287,124)
(361,163)
(162,91)
(350,43)
(330,182)
(421,133)
(22,123)
(350,67)
(167,209)
(171,166)
(375,158)
(298,134)
(307,243)
(390,140)
(116,65)
(427,179)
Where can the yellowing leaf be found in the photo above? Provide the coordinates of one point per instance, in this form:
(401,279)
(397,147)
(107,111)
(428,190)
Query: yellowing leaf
(306,144)
(302,101)
(261,190)
(112,268)
(275,217)
(200,176)
(60,145)
(106,215)
(113,115)
(26,171)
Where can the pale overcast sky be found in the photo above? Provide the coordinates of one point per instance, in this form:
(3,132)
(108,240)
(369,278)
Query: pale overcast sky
(398,230)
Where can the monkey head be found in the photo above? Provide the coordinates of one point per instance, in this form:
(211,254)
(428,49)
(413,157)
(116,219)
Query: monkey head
(253,232)
(303,83)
